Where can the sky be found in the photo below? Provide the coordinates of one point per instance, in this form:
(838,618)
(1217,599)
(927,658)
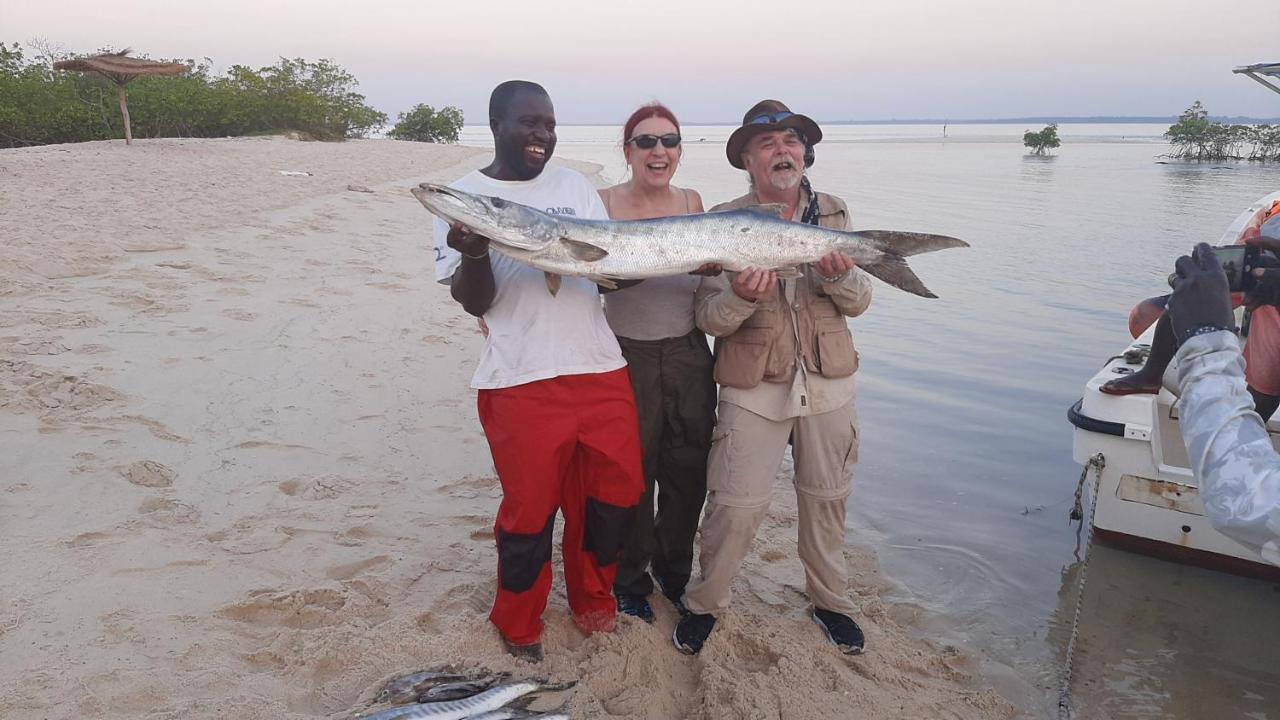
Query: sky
(710,60)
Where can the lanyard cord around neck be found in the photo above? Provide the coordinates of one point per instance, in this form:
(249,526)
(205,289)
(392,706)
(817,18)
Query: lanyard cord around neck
(810,214)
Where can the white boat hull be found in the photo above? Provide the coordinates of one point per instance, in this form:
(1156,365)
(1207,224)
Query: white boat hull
(1147,497)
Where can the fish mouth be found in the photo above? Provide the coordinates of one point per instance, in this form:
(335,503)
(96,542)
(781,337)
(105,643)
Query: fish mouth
(429,189)
(445,202)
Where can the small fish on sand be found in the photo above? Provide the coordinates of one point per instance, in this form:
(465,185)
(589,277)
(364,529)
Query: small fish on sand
(457,690)
(405,689)
(487,701)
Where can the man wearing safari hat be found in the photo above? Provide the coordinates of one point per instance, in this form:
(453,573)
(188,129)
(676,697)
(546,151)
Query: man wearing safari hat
(785,363)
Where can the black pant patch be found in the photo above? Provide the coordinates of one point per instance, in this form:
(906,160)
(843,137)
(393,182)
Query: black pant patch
(522,555)
(603,529)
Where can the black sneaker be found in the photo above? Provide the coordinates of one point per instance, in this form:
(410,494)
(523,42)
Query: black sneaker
(529,653)
(634,605)
(841,630)
(673,594)
(692,632)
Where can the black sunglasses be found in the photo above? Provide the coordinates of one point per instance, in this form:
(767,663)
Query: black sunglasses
(648,142)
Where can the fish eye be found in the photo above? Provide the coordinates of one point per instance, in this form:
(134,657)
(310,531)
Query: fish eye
(498,202)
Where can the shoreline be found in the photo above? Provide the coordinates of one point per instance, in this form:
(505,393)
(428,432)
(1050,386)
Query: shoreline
(249,478)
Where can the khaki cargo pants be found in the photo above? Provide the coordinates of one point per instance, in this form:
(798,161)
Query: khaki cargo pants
(746,453)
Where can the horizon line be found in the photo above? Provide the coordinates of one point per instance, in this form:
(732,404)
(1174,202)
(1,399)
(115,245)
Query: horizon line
(1060,119)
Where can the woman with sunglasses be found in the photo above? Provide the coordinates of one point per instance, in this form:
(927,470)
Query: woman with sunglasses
(670,366)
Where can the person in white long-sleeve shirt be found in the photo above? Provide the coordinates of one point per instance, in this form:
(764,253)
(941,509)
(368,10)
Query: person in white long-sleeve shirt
(1231,452)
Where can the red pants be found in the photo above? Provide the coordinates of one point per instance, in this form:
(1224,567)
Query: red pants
(570,443)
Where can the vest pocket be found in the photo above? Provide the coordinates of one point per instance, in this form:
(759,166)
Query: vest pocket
(742,357)
(837,357)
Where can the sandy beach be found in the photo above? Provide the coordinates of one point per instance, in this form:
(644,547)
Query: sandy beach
(242,474)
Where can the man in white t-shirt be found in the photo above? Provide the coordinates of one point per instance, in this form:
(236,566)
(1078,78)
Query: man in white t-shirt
(554,396)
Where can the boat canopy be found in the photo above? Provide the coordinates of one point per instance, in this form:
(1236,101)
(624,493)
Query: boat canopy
(1261,72)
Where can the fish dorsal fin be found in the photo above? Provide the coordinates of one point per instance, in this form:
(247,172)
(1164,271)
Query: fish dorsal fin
(586,252)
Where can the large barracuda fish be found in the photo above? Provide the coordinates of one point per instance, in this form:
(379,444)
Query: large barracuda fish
(605,251)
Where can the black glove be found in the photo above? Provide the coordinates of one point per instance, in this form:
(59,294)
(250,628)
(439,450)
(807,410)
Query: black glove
(1200,297)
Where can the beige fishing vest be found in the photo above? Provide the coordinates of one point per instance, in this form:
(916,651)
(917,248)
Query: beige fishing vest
(810,329)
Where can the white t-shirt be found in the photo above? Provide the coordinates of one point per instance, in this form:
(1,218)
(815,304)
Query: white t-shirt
(532,334)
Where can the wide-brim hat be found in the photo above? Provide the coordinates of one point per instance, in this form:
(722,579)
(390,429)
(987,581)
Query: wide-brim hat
(767,116)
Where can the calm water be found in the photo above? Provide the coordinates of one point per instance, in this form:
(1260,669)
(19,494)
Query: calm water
(966,476)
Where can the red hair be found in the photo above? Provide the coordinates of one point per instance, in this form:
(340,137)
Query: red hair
(652,110)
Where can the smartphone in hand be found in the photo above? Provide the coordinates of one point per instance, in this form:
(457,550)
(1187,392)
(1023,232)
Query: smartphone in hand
(1238,261)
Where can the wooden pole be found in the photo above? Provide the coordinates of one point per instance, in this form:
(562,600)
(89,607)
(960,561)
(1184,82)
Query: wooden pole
(124,110)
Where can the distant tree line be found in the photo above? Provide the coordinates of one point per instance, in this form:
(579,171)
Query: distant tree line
(1196,137)
(317,99)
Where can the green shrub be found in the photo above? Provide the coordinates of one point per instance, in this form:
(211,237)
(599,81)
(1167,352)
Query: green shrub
(317,98)
(425,124)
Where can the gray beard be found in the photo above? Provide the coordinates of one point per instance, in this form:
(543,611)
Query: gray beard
(778,184)
(783,183)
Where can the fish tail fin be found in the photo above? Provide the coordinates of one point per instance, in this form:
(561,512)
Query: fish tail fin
(906,244)
(553,283)
(893,269)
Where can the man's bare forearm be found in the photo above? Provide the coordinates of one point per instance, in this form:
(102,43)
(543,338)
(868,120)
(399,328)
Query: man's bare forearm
(473,286)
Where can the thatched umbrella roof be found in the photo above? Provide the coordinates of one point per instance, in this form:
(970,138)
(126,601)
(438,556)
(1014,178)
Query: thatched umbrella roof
(121,70)
(119,67)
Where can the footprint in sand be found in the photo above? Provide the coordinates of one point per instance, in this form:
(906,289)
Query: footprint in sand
(63,393)
(27,346)
(316,488)
(149,473)
(240,314)
(91,539)
(351,570)
(250,535)
(750,653)
(473,598)
(471,486)
(92,349)
(163,511)
(297,609)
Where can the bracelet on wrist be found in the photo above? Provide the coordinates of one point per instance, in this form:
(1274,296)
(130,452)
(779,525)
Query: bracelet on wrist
(1205,330)
(481,256)
(835,279)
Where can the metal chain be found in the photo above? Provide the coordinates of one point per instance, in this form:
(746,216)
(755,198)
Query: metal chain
(1098,462)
